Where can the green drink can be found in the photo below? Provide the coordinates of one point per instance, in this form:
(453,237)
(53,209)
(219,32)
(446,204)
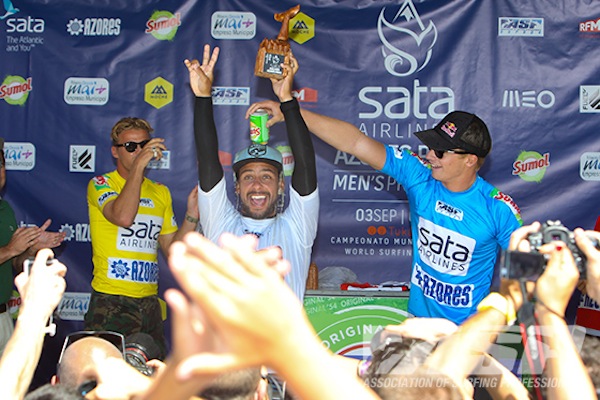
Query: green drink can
(259,133)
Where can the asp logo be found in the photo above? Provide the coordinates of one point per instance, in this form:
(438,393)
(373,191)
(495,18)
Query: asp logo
(232,96)
(531,166)
(515,26)
(163,25)
(15,90)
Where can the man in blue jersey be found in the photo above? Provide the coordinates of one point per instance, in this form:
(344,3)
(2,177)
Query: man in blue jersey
(459,221)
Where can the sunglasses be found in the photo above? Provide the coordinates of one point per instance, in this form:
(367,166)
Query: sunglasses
(117,339)
(390,351)
(440,153)
(132,146)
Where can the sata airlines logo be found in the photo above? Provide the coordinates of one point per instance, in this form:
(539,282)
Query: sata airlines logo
(163,25)
(79,233)
(449,211)
(417,40)
(513,98)
(589,166)
(15,90)
(233,25)
(142,236)
(230,96)
(515,26)
(531,166)
(22,33)
(306,95)
(86,91)
(301,28)
(94,27)
(158,92)
(443,249)
(73,306)
(19,156)
(589,99)
(591,26)
(82,158)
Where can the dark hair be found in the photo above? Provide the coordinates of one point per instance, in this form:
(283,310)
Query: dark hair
(53,392)
(235,385)
(476,136)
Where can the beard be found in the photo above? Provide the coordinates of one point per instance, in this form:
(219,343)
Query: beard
(268,212)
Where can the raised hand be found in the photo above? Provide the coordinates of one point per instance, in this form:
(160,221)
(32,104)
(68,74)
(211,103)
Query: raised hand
(202,75)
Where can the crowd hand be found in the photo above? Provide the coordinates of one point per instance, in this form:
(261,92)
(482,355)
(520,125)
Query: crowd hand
(48,239)
(192,203)
(241,296)
(429,329)
(23,238)
(42,290)
(283,87)
(273,256)
(592,254)
(270,107)
(518,239)
(555,286)
(201,75)
(118,380)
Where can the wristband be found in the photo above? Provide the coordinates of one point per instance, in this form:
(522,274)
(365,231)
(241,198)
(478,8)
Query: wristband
(551,311)
(191,219)
(498,302)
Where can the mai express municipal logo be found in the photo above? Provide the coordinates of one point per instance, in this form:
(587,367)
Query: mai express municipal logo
(417,40)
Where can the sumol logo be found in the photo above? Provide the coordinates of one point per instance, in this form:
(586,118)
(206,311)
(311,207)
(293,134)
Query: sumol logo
(531,166)
(407,48)
(163,25)
(15,90)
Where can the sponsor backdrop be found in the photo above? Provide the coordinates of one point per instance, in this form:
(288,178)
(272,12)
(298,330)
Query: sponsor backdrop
(71,69)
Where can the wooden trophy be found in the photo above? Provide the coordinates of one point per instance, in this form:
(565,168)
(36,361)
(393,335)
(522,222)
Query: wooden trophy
(274,52)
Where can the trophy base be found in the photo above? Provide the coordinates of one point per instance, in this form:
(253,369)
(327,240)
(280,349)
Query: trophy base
(271,54)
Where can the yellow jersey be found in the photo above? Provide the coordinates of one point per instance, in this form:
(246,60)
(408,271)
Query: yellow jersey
(126,259)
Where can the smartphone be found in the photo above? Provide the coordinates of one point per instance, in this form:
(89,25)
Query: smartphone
(521,265)
(51,326)
(29,262)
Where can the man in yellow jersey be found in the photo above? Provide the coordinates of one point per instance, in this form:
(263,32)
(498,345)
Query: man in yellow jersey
(130,217)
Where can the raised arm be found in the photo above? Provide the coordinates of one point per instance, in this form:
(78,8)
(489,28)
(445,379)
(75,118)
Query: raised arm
(304,177)
(337,133)
(210,170)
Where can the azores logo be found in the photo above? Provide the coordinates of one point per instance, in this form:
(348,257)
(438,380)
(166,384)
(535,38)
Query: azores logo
(163,25)
(416,40)
(15,90)
(531,166)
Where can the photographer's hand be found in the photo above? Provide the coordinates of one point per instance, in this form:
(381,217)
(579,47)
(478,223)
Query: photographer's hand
(556,285)
(593,260)
(518,239)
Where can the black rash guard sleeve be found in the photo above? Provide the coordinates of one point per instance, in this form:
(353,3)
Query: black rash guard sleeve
(304,178)
(210,170)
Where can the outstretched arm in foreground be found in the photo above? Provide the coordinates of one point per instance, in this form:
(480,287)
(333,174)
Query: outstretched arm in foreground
(41,292)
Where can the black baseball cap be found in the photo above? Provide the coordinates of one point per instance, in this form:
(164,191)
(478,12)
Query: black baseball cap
(449,134)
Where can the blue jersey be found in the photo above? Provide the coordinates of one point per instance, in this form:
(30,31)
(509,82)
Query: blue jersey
(456,238)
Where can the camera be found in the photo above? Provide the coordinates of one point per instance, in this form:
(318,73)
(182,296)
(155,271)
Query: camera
(139,349)
(529,266)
